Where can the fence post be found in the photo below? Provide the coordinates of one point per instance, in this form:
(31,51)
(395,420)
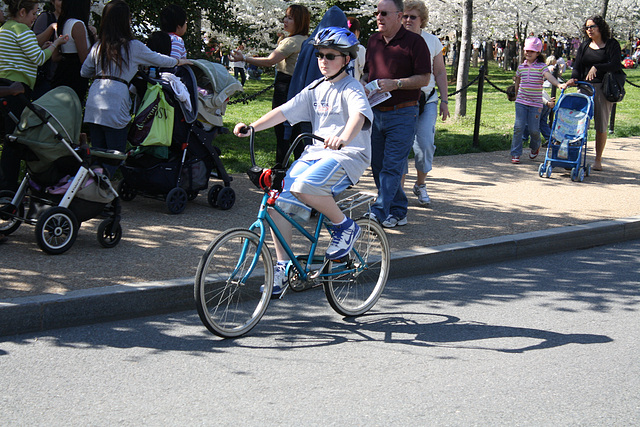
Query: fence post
(612,119)
(476,126)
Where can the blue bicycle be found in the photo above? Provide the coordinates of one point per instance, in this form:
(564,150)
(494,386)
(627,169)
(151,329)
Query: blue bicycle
(234,280)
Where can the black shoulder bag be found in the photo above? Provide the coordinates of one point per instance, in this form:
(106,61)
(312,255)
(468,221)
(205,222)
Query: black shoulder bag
(613,86)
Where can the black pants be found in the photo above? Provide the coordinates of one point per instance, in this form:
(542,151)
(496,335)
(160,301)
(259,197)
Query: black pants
(280,92)
(11,153)
(68,74)
(239,70)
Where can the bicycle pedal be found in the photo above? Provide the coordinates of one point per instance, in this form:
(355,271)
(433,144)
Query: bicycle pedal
(342,260)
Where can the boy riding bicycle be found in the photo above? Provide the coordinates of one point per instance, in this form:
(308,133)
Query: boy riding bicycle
(337,107)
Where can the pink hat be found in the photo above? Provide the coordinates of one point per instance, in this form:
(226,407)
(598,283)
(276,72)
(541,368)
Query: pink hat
(533,43)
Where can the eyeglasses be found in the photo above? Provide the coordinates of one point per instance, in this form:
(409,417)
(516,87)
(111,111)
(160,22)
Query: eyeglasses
(383,12)
(411,17)
(590,27)
(329,56)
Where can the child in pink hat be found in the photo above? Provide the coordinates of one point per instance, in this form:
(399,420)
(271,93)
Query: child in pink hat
(529,78)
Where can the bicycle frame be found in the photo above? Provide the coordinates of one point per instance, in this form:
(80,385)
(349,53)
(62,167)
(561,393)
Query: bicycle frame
(265,221)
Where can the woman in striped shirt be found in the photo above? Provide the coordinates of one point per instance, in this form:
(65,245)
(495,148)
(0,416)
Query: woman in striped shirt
(20,56)
(529,78)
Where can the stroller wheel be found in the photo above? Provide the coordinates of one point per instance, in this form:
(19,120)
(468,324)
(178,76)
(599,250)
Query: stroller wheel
(56,230)
(8,221)
(212,195)
(226,198)
(574,174)
(126,191)
(108,235)
(176,200)
(549,170)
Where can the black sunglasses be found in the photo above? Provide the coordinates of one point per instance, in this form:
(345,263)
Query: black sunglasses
(329,56)
(382,12)
(411,17)
(590,27)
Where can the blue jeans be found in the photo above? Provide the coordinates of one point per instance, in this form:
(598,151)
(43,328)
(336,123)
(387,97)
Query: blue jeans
(391,141)
(545,129)
(530,117)
(424,145)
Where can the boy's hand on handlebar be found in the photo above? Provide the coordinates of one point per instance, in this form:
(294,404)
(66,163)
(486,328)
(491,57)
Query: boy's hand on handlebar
(241,130)
(334,142)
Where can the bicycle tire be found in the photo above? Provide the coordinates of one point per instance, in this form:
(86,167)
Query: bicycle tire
(355,293)
(227,307)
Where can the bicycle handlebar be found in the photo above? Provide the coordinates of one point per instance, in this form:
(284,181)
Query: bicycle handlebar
(251,131)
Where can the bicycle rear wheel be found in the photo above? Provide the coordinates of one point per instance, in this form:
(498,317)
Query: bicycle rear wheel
(356,284)
(233,283)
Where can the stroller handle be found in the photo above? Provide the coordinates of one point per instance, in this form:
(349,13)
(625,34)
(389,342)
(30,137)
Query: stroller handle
(582,84)
(579,84)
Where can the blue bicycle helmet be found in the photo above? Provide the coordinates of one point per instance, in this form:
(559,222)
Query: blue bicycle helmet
(337,38)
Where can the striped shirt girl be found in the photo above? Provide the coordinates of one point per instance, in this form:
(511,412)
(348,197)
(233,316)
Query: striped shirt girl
(178,50)
(20,54)
(531,79)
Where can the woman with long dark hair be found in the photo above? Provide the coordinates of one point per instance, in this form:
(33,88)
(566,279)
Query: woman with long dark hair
(74,22)
(112,62)
(597,55)
(285,55)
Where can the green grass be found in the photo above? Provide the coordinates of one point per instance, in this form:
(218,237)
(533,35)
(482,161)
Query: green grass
(454,136)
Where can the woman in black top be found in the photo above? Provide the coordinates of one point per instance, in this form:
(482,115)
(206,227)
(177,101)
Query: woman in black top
(597,55)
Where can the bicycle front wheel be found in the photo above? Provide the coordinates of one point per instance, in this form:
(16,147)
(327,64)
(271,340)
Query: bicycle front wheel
(354,286)
(233,283)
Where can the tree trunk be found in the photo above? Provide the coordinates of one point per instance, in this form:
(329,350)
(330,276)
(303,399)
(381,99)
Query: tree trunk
(456,56)
(605,6)
(465,56)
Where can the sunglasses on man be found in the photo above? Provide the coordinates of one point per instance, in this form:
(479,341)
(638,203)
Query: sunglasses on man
(382,12)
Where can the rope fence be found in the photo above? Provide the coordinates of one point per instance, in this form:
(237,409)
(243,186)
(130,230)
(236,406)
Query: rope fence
(481,75)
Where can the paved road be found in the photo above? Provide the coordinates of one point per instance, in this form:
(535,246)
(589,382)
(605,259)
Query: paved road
(550,340)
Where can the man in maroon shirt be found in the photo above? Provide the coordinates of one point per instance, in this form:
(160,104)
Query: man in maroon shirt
(399,60)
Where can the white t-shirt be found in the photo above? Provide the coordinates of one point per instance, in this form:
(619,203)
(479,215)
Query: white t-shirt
(70,46)
(328,108)
(435,47)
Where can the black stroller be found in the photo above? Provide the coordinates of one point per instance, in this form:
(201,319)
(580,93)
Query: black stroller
(177,170)
(64,184)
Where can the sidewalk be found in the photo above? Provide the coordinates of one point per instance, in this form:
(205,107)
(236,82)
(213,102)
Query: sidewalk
(483,209)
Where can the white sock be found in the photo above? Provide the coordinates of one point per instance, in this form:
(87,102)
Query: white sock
(344,219)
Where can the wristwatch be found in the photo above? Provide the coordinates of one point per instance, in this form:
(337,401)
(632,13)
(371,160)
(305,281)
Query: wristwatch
(399,83)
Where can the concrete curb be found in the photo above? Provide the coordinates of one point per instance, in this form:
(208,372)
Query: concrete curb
(45,312)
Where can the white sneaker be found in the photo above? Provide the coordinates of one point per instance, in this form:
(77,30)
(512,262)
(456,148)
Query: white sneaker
(280,279)
(343,238)
(371,216)
(392,221)
(421,192)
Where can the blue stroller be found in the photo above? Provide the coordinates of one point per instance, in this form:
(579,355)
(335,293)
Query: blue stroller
(567,146)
